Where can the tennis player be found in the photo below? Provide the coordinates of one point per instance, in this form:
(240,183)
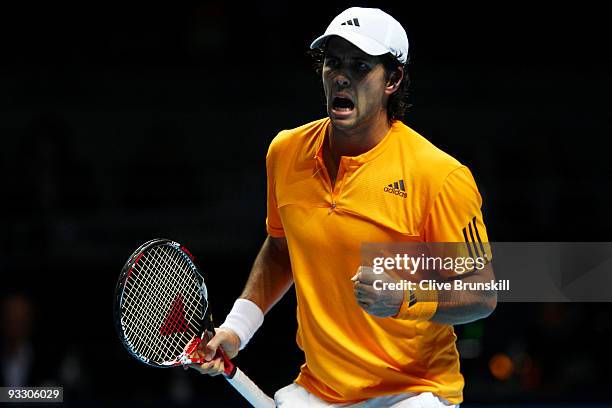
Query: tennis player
(360,175)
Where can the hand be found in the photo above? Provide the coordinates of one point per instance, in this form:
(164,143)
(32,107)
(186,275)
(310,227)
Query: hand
(207,349)
(379,303)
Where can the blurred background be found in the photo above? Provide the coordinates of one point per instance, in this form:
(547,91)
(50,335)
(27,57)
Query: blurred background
(124,123)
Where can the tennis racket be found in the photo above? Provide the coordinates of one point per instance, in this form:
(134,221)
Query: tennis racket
(162,313)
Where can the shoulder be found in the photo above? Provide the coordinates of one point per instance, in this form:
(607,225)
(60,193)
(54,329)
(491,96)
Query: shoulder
(297,138)
(428,163)
(424,153)
(435,175)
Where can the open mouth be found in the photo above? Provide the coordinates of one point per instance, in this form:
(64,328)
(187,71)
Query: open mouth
(342,104)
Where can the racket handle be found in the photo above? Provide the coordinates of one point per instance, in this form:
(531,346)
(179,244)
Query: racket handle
(243,384)
(229,368)
(249,390)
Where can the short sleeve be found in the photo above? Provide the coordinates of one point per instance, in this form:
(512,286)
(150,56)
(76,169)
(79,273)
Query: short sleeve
(456,217)
(274,224)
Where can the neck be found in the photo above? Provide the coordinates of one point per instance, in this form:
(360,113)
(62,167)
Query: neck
(357,140)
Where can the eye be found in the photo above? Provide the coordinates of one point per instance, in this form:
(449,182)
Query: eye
(331,62)
(363,67)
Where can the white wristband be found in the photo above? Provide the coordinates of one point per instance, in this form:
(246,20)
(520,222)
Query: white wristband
(244,319)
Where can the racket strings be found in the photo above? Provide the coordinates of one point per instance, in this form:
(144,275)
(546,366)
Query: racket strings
(139,321)
(146,307)
(162,310)
(155,346)
(167,264)
(190,304)
(193,302)
(151,314)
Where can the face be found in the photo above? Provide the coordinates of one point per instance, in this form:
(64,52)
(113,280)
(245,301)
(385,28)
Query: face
(355,87)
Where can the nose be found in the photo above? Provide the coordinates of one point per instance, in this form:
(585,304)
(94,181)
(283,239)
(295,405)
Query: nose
(342,81)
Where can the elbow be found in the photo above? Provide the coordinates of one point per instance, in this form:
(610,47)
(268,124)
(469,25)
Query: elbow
(488,304)
(483,306)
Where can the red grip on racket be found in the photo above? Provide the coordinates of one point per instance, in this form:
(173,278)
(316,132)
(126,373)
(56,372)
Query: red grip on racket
(229,368)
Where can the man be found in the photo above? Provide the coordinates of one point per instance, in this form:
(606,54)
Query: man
(360,176)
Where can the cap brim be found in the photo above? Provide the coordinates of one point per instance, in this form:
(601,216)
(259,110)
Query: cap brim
(365,44)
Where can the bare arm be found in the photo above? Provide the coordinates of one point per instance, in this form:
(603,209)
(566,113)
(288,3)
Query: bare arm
(270,276)
(464,306)
(269,280)
(453,306)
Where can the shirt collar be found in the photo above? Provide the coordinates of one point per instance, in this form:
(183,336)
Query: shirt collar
(363,158)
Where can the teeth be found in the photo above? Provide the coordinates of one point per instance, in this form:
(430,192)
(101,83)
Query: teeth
(342,105)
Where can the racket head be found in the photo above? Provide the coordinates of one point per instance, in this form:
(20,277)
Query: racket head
(161,303)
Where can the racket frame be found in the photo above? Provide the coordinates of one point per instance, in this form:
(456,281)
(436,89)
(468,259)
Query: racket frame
(207,323)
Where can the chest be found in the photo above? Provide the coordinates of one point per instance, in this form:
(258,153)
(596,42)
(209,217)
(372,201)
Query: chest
(352,197)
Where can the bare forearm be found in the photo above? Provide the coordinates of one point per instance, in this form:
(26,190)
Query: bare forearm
(270,276)
(464,306)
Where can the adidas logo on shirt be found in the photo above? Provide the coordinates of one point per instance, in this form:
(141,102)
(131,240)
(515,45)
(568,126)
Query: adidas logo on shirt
(397,188)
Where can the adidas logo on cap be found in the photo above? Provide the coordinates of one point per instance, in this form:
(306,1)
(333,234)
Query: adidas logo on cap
(354,22)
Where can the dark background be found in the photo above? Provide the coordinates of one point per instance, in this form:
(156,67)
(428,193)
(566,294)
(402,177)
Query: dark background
(124,123)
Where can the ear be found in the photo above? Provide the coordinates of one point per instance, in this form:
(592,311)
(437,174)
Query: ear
(394,81)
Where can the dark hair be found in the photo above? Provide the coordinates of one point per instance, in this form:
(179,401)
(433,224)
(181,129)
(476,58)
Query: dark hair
(397,105)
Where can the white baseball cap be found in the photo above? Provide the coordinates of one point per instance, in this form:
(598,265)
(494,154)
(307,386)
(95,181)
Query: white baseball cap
(371,30)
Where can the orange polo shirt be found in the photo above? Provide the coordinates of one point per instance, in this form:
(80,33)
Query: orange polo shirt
(404,189)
